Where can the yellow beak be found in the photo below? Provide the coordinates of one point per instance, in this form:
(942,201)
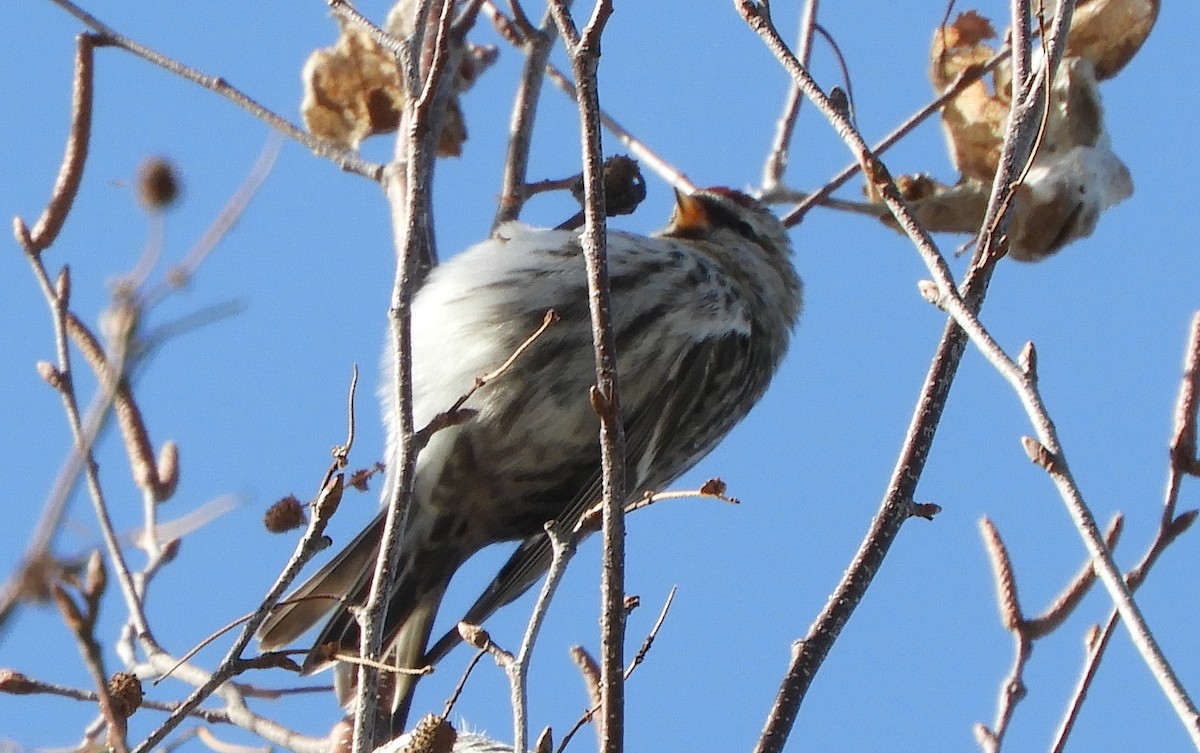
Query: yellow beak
(690,214)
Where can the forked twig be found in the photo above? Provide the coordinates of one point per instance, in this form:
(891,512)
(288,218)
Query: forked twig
(1183,462)
(640,149)
(591,673)
(1025,630)
(428,62)
(821,196)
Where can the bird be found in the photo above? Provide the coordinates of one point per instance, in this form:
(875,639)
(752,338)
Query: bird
(703,311)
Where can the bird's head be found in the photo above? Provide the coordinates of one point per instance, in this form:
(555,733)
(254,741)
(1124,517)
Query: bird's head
(707,213)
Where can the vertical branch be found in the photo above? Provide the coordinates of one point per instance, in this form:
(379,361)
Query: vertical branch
(562,548)
(537,44)
(1024,122)
(407,184)
(777,160)
(584,52)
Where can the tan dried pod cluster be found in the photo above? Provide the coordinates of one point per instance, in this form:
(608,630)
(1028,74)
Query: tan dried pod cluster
(1075,175)
(355,88)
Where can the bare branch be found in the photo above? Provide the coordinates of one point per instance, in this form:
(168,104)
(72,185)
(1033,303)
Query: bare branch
(583,49)
(777,160)
(1170,528)
(821,196)
(407,186)
(537,45)
(106,36)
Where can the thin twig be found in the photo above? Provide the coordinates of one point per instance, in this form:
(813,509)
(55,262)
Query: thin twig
(648,643)
(562,548)
(516,189)
(310,543)
(587,667)
(19,684)
(537,44)
(230,665)
(1013,686)
(1171,526)
(106,36)
(1032,104)
(647,156)
(86,428)
(1049,453)
(407,186)
(462,683)
(81,621)
(57,295)
(1026,631)
(777,159)
(181,273)
(820,197)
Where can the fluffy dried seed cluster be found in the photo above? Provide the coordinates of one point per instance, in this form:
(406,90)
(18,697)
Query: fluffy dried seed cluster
(126,691)
(285,515)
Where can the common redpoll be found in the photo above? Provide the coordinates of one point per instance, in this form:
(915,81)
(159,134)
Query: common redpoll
(703,312)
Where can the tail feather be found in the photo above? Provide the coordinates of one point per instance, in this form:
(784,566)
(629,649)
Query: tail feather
(407,652)
(528,563)
(424,573)
(342,578)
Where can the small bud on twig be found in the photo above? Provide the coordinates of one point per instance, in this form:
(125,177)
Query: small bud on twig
(330,497)
(545,742)
(474,635)
(1027,360)
(168,471)
(95,579)
(1040,456)
(68,608)
(930,292)
(21,233)
(62,286)
(51,375)
(1090,636)
(926,510)
(15,683)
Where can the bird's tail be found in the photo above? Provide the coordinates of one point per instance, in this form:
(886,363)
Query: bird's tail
(407,652)
(422,575)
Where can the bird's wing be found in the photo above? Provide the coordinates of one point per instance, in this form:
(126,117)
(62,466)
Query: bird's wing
(676,425)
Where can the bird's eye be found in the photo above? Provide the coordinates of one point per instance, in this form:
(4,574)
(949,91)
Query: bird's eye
(746,230)
(722,216)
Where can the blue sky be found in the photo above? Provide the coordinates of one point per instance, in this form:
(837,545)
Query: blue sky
(256,401)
